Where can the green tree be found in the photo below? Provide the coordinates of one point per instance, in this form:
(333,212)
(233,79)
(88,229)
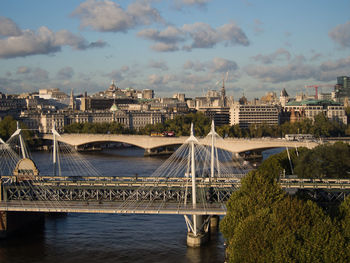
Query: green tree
(7,127)
(324,161)
(290,230)
(257,192)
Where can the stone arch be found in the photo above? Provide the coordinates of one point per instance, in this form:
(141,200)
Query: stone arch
(25,170)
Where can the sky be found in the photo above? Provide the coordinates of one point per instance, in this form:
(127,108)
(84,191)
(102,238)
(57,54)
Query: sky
(179,46)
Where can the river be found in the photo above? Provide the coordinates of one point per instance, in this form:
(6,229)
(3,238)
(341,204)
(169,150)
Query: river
(83,238)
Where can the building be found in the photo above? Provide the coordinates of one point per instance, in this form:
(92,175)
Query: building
(220,115)
(342,88)
(180,97)
(147,94)
(308,109)
(269,98)
(246,115)
(52,94)
(284,98)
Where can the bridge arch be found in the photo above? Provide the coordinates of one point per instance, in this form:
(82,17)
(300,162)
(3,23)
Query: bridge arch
(147,142)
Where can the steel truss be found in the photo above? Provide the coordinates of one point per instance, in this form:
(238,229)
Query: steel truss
(103,193)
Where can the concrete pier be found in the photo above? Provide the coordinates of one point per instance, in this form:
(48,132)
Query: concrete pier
(202,235)
(214,224)
(14,222)
(166,150)
(197,240)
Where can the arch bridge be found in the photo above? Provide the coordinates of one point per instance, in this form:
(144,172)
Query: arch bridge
(149,142)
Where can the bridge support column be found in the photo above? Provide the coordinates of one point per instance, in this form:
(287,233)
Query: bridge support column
(198,232)
(148,152)
(214,224)
(14,222)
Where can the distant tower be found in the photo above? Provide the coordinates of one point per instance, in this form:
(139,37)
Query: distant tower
(223,94)
(71,101)
(284,97)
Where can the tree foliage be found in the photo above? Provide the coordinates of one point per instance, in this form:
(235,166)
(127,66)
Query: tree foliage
(320,127)
(263,224)
(9,125)
(106,128)
(324,161)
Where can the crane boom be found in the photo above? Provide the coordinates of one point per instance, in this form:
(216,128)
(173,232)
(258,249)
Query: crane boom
(317,86)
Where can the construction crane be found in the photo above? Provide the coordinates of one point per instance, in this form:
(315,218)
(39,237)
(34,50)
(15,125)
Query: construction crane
(317,86)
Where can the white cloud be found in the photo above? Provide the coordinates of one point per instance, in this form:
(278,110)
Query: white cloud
(23,70)
(65,73)
(144,14)
(233,35)
(170,35)
(43,41)
(270,58)
(164,47)
(8,27)
(108,16)
(196,66)
(158,65)
(155,79)
(341,34)
(201,35)
(185,3)
(223,65)
(217,65)
(115,75)
(297,69)
(64,37)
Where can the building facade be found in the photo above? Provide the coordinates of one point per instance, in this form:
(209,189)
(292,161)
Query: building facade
(308,109)
(246,115)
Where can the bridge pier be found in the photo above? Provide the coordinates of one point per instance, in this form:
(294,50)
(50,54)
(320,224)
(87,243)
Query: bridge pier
(166,150)
(14,222)
(199,236)
(207,225)
(214,223)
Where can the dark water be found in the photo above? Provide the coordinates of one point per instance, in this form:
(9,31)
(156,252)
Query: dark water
(107,238)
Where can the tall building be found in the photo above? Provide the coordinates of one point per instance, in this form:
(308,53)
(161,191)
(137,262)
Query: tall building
(71,101)
(284,97)
(342,88)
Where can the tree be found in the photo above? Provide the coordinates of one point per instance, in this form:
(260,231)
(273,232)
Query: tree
(7,127)
(344,218)
(324,161)
(257,192)
(290,231)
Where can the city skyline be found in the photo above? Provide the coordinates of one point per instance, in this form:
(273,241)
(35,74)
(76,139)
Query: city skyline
(185,46)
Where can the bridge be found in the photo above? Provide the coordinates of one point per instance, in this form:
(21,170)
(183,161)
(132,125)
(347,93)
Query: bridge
(153,142)
(195,181)
(111,194)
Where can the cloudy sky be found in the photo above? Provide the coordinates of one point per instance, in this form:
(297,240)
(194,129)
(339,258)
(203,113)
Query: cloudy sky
(174,46)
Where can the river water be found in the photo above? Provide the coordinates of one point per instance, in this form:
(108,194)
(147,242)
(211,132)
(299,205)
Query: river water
(79,238)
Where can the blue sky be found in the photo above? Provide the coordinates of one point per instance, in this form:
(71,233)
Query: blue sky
(173,46)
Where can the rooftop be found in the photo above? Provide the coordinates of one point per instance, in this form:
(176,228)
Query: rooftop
(312,102)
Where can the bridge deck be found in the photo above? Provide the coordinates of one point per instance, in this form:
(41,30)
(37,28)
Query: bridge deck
(112,208)
(226,181)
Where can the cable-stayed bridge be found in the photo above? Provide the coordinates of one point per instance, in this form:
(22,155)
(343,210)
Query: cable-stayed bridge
(195,181)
